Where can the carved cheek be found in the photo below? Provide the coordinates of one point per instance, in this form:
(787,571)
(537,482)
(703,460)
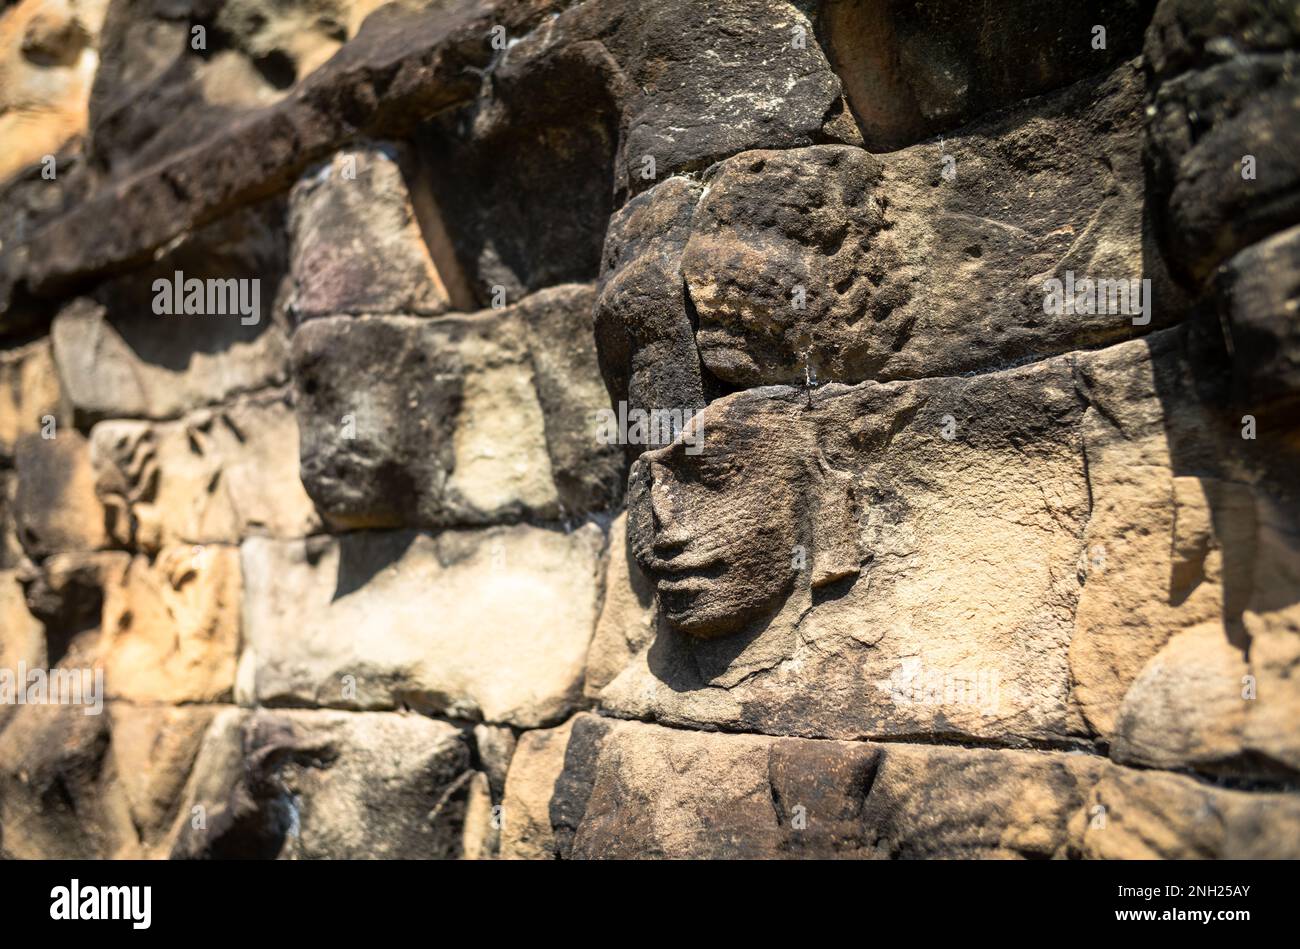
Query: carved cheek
(640,518)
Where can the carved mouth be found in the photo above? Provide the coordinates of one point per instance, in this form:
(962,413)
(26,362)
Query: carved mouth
(690,583)
(681,568)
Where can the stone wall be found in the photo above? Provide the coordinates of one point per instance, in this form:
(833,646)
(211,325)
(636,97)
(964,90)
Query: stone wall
(312,316)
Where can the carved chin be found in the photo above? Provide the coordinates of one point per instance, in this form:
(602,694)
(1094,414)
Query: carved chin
(705,613)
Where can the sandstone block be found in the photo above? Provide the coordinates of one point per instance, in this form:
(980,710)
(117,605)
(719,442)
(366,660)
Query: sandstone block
(303,785)
(171,628)
(490,624)
(1224,88)
(357,245)
(458,420)
(214,476)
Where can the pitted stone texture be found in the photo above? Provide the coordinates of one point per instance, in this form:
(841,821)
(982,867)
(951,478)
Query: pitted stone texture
(1185,640)
(1224,88)
(215,476)
(1147,815)
(22,637)
(458,420)
(928,261)
(526,832)
(490,624)
(626,623)
(631,790)
(118,357)
(152,749)
(644,334)
(60,797)
(405,64)
(156,94)
(772,279)
(799,547)
(799,561)
(55,506)
(29,394)
(913,69)
(306,785)
(635,790)
(171,626)
(1255,294)
(47,64)
(356,244)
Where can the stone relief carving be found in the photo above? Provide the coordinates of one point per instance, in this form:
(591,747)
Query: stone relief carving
(727,534)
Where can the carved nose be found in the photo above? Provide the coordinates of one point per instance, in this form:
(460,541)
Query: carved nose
(668,532)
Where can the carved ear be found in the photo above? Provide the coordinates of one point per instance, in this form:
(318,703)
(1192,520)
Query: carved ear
(834,528)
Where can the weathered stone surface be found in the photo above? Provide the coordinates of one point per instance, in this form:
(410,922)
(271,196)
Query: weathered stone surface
(644,334)
(1224,87)
(215,476)
(29,393)
(22,637)
(459,420)
(11,552)
(913,69)
(1144,815)
(162,89)
(665,89)
(626,623)
(800,547)
(1185,637)
(171,627)
(118,357)
(1044,575)
(55,507)
(1222,696)
(526,808)
(153,748)
(27,202)
(890,267)
(404,65)
(96,786)
(357,246)
(66,594)
(770,281)
(703,94)
(657,792)
(60,797)
(588,473)
(480,833)
(47,64)
(798,559)
(1255,294)
(635,790)
(525,182)
(491,624)
(495,746)
(302,785)
(1149,529)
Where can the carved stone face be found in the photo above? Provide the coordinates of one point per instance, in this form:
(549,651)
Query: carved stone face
(716,531)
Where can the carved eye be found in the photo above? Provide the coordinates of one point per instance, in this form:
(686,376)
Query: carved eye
(717,469)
